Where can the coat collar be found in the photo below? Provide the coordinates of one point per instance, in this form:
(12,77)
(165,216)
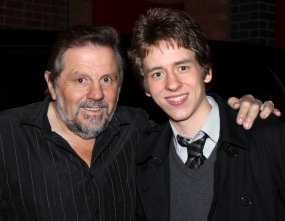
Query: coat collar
(155,143)
(230,131)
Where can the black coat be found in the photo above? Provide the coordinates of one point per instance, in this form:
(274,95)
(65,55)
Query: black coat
(249,173)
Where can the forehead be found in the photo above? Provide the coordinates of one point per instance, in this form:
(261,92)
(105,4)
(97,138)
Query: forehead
(168,51)
(167,46)
(90,55)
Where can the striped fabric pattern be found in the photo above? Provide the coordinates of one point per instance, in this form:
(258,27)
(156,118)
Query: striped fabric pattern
(42,178)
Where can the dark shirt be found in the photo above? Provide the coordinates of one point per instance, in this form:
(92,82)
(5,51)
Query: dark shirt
(42,178)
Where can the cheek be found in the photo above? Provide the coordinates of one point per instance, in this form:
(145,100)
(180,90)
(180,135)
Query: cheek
(194,81)
(155,88)
(68,106)
(71,97)
(111,96)
(71,101)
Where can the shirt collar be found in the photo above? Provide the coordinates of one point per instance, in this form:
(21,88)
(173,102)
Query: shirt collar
(210,127)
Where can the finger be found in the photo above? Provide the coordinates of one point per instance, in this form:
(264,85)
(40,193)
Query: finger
(277,112)
(250,112)
(268,108)
(234,102)
(245,104)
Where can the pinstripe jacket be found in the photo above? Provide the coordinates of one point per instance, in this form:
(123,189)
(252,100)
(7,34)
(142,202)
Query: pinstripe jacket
(42,178)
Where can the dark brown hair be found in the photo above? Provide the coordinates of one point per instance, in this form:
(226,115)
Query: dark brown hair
(81,35)
(172,26)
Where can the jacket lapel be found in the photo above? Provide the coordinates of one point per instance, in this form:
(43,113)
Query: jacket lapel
(153,173)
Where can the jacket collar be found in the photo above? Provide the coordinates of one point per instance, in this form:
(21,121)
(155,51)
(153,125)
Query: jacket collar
(230,131)
(35,114)
(155,143)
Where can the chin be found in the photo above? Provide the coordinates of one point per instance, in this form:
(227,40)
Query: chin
(178,118)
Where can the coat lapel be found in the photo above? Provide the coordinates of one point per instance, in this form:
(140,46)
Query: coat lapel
(153,173)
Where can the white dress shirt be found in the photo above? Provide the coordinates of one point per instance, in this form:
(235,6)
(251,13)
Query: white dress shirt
(210,127)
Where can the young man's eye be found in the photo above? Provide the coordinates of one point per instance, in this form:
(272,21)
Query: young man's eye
(184,68)
(157,74)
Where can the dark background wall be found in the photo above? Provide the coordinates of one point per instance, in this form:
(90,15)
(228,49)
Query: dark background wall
(246,37)
(33,14)
(252,21)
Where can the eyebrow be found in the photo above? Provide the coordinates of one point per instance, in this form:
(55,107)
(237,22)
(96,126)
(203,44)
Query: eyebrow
(183,61)
(175,63)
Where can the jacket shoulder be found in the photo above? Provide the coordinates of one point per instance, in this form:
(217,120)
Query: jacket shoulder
(17,112)
(131,114)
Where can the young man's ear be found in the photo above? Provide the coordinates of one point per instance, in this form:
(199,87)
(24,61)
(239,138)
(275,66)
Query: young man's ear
(208,76)
(146,90)
(50,85)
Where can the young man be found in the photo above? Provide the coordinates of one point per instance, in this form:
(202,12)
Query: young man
(230,173)
(72,156)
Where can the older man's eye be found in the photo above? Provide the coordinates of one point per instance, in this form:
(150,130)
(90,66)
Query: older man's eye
(107,80)
(80,80)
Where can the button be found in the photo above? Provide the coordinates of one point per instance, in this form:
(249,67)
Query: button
(156,160)
(246,201)
(232,151)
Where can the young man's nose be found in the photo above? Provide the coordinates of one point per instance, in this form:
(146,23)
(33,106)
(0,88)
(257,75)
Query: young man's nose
(173,82)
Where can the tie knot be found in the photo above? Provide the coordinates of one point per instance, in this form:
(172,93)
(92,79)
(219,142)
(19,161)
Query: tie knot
(183,141)
(194,149)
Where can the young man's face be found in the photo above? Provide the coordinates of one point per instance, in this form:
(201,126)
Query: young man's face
(173,78)
(87,89)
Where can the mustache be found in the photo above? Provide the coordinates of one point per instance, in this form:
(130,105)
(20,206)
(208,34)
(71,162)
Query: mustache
(93,104)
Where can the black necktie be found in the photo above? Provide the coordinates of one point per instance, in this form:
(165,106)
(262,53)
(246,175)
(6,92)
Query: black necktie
(195,151)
